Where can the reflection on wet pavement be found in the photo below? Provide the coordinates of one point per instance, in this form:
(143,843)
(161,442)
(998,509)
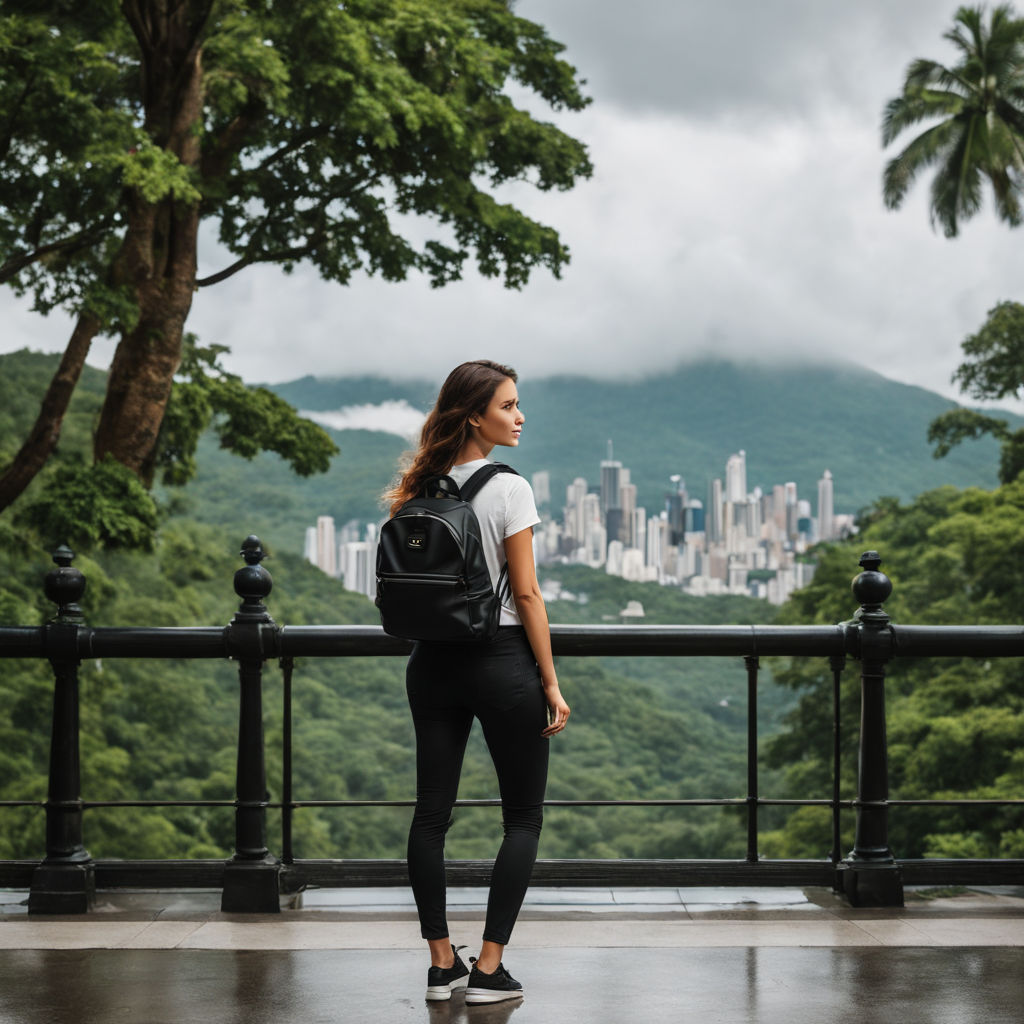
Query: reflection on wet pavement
(904,985)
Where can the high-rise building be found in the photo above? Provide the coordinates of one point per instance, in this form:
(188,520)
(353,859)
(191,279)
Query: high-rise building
(638,529)
(714,522)
(541,483)
(309,547)
(675,506)
(326,557)
(574,515)
(613,563)
(627,501)
(792,513)
(736,477)
(595,536)
(826,519)
(694,520)
(358,567)
(611,482)
(779,508)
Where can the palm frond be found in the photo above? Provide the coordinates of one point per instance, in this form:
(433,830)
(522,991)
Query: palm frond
(926,149)
(904,111)
(956,187)
(981,99)
(1007,195)
(924,74)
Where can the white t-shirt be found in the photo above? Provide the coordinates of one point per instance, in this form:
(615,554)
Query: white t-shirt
(504,506)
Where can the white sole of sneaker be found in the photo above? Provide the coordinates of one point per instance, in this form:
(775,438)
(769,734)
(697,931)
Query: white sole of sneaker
(442,992)
(490,995)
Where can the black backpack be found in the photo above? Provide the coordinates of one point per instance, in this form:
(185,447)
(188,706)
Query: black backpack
(432,577)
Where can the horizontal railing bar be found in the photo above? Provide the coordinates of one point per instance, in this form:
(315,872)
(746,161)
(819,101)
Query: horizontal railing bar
(958,641)
(177,642)
(697,641)
(954,803)
(153,642)
(667,802)
(496,802)
(179,874)
(87,804)
(22,642)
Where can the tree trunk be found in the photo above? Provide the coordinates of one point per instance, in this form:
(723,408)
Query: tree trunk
(144,364)
(44,436)
(158,258)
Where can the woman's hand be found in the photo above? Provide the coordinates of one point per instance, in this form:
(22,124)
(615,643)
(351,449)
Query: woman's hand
(559,711)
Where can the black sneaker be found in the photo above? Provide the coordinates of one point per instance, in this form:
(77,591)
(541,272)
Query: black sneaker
(491,988)
(443,981)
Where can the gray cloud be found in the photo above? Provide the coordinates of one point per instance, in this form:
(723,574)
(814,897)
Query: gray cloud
(735,209)
(749,58)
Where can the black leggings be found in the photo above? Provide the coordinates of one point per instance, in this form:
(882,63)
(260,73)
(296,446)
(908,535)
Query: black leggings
(498,683)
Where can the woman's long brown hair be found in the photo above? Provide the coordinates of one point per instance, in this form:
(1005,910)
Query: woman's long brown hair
(467,392)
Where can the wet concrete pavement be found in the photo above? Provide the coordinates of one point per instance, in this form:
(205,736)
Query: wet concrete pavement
(584,957)
(585,986)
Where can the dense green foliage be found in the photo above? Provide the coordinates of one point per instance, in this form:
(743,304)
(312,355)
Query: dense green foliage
(373,136)
(642,727)
(977,110)
(166,730)
(993,369)
(648,728)
(955,726)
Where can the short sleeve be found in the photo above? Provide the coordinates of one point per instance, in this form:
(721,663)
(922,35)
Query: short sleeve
(520,507)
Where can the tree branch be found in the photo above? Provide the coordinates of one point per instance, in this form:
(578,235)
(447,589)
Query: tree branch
(71,244)
(45,433)
(277,256)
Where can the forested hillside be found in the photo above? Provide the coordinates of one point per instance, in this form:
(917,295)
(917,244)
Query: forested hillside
(167,730)
(641,727)
(955,726)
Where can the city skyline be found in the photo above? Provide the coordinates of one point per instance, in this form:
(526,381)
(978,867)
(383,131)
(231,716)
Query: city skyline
(737,541)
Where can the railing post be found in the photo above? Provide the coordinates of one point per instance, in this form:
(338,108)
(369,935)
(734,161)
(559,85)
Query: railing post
(65,881)
(870,876)
(753,793)
(251,877)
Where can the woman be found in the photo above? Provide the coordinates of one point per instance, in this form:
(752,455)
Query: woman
(508,683)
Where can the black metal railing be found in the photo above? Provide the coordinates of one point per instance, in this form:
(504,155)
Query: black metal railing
(65,880)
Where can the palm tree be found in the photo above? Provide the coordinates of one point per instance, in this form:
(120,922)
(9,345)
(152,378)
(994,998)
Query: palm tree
(980,101)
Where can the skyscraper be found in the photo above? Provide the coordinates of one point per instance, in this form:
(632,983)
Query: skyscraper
(736,477)
(826,516)
(627,528)
(326,551)
(611,483)
(714,522)
(541,483)
(675,506)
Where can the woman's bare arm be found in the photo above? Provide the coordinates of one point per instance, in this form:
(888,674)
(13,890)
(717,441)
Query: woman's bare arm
(522,574)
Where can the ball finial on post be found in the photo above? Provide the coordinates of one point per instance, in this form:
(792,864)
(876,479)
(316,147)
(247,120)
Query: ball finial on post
(252,582)
(65,585)
(871,587)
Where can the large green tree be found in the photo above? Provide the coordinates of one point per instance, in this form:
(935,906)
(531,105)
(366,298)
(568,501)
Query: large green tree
(993,369)
(955,726)
(977,106)
(303,132)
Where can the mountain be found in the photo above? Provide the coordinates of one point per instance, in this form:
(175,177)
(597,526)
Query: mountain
(794,422)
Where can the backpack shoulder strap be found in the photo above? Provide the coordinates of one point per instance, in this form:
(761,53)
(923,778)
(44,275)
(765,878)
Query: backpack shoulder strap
(472,486)
(441,487)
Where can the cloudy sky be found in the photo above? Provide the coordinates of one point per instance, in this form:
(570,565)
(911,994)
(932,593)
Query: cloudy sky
(735,209)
